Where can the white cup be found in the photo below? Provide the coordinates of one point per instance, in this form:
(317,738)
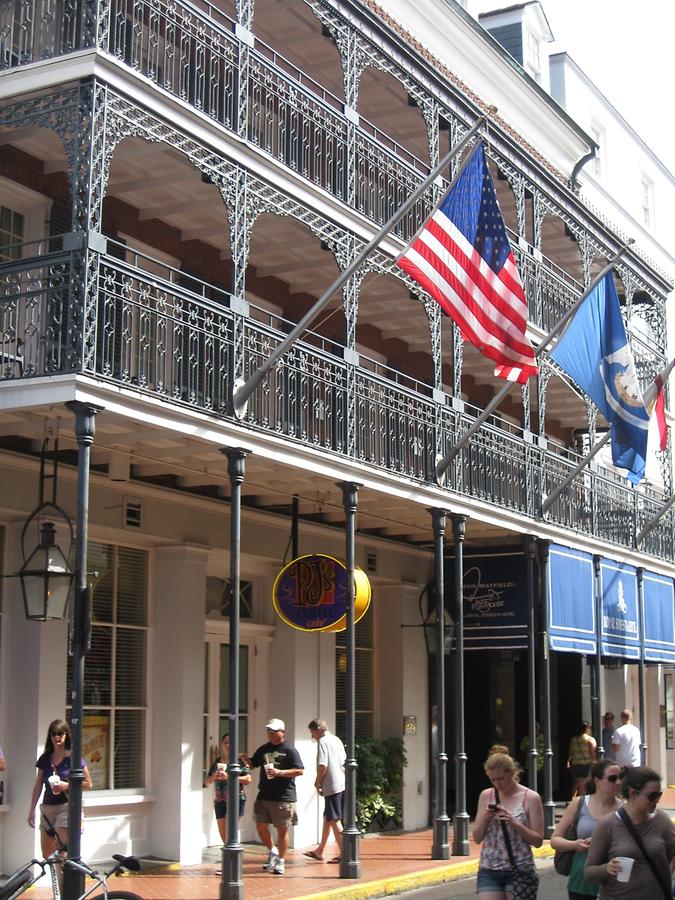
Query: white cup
(54,780)
(268,769)
(626,868)
(222,768)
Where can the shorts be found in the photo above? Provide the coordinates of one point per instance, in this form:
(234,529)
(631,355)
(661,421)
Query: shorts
(55,813)
(220,808)
(333,809)
(275,812)
(581,771)
(494,880)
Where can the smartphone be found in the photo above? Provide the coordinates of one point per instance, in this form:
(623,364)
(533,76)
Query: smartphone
(493,806)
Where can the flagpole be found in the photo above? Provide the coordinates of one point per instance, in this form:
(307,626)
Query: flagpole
(573,474)
(660,514)
(244,390)
(445,461)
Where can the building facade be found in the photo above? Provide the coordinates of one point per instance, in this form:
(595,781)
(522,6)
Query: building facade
(178,183)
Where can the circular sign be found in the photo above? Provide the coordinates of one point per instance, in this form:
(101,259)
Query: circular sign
(310,593)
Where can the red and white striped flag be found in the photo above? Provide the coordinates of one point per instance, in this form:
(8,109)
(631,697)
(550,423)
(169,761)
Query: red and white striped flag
(655,401)
(462,257)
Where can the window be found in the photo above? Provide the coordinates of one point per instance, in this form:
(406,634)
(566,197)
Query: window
(365,724)
(532,55)
(597,163)
(115,693)
(647,201)
(12,232)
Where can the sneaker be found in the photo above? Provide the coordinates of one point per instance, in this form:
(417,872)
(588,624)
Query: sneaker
(279,867)
(218,873)
(272,858)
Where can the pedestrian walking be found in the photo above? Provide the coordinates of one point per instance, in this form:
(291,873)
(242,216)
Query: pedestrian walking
(218,777)
(330,783)
(608,730)
(626,741)
(582,755)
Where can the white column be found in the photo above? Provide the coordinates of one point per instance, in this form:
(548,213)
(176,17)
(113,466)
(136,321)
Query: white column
(36,694)
(303,688)
(656,735)
(178,701)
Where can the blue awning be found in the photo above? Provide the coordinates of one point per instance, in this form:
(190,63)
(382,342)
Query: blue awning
(659,618)
(571,600)
(619,627)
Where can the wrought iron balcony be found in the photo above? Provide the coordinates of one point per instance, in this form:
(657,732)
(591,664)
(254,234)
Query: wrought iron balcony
(164,334)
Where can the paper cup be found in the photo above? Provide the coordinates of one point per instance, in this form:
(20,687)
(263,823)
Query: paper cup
(626,868)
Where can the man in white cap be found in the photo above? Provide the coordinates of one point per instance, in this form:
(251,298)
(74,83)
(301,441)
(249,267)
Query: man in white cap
(280,764)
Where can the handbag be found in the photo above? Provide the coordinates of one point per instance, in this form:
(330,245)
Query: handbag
(632,830)
(562,859)
(525,881)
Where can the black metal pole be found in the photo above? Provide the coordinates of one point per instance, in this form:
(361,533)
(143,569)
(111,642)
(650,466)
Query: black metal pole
(533,754)
(549,805)
(350,863)
(73,880)
(460,843)
(642,687)
(440,848)
(596,698)
(295,520)
(232,881)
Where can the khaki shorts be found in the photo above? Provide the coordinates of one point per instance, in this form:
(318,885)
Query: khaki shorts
(55,814)
(274,812)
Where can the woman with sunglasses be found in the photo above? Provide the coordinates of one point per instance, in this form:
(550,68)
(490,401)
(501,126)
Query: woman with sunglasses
(53,769)
(612,839)
(600,798)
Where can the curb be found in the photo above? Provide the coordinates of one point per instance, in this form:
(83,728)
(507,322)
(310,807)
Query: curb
(397,884)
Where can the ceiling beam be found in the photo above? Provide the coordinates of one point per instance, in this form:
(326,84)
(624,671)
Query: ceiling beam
(21,134)
(188,205)
(152,181)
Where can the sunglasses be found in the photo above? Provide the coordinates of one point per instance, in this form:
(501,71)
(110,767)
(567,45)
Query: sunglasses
(613,778)
(654,796)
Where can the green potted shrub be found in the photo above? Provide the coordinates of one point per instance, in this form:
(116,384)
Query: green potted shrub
(379,782)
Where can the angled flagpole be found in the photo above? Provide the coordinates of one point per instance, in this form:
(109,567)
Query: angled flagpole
(443,463)
(573,474)
(655,520)
(243,391)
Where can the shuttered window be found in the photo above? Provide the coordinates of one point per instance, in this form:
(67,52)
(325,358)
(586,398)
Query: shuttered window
(115,675)
(365,724)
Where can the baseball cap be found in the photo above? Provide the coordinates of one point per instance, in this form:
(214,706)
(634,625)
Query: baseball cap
(276,725)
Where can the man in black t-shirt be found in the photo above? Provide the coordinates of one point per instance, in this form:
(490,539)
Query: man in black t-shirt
(280,764)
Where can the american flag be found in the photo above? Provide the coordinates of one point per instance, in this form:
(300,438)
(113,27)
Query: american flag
(462,257)
(655,403)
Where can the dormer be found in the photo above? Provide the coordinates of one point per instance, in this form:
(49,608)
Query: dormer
(523,31)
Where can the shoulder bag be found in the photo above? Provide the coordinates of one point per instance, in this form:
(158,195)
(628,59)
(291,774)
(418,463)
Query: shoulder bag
(627,821)
(562,859)
(525,881)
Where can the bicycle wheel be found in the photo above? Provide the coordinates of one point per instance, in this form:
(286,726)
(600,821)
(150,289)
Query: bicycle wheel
(16,884)
(118,895)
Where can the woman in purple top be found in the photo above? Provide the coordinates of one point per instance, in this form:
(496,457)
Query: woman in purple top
(54,763)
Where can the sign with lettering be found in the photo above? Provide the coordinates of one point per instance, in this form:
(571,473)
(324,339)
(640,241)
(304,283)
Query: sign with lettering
(619,627)
(310,593)
(495,600)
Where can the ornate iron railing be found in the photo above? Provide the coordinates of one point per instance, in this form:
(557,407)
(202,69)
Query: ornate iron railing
(172,336)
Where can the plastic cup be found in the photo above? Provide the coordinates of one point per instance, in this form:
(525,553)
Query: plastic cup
(268,769)
(626,868)
(221,768)
(54,780)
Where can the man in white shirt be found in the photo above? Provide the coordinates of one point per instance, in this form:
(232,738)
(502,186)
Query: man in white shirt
(626,742)
(330,782)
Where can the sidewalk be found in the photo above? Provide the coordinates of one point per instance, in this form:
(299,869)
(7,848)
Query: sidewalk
(390,863)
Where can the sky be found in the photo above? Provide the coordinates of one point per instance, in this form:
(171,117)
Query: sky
(626,48)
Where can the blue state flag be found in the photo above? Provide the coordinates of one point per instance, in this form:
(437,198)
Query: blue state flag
(594,351)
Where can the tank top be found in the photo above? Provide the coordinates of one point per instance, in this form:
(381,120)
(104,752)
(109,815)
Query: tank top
(493,852)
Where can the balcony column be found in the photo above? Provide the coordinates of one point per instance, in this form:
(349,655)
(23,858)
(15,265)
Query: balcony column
(244,33)
(460,845)
(239,216)
(549,805)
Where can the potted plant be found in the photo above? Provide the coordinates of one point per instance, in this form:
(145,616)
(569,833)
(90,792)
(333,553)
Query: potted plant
(379,782)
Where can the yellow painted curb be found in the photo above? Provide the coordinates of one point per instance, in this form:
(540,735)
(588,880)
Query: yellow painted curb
(398,883)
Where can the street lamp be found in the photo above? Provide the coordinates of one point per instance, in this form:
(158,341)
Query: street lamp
(45,576)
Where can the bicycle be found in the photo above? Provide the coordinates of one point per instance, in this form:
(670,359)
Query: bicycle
(25,877)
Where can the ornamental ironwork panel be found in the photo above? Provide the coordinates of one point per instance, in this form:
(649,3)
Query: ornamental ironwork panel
(296,128)
(394,427)
(493,467)
(180,49)
(34,315)
(162,338)
(304,396)
(31,30)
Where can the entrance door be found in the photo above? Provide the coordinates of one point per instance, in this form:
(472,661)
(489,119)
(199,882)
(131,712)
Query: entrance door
(217,722)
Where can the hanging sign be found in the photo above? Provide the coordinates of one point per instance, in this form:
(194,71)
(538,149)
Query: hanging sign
(310,593)
(619,626)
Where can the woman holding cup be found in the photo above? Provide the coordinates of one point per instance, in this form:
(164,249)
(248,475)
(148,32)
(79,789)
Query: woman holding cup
(53,770)
(624,870)
(217,776)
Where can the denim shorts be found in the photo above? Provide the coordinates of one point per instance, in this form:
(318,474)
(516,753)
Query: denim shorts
(494,880)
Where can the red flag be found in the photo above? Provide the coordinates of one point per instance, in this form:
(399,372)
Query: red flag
(462,257)
(655,401)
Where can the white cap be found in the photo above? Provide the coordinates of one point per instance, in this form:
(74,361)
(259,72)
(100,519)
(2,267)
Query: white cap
(276,725)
